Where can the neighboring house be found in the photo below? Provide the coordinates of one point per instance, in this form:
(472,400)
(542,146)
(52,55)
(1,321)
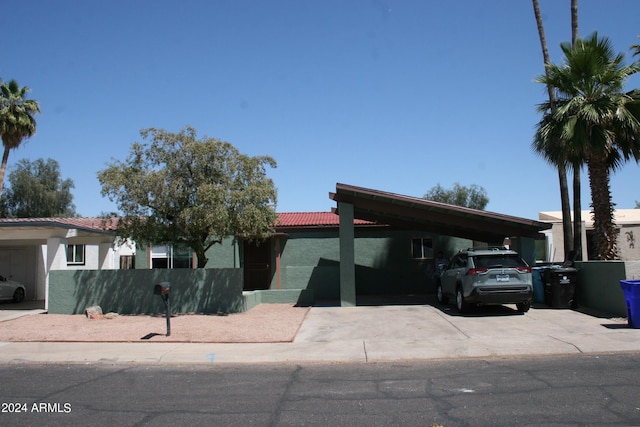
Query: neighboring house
(627,222)
(31,247)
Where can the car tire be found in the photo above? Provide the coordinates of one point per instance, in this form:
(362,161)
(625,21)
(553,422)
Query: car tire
(523,307)
(461,304)
(18,295)
(440,295)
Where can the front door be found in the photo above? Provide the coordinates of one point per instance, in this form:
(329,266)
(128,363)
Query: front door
(257,271)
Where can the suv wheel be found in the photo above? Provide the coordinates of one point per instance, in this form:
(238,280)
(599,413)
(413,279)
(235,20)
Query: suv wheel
(461,304)
(523,307)
(440,295)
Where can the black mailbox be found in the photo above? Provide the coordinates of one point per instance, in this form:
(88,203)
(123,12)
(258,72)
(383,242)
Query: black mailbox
(162,288)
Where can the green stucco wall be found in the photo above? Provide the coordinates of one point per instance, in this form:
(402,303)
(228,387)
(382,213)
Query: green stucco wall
(310,263)
(131,291)
(224,255)
(598,286)
(142,257)
(383,265)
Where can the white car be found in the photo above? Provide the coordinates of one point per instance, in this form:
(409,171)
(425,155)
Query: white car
(11,290)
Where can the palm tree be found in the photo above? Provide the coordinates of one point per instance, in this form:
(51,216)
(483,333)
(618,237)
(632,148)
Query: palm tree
(594,122)
(577,169)
(16,119)
(561,166)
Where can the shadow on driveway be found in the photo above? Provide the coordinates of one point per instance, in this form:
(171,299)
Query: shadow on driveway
(24,305)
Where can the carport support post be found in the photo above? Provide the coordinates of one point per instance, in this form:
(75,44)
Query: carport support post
(526,247)
(347,256)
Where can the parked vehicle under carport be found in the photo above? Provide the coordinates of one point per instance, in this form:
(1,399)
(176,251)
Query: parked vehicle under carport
(486,277)
(10,290)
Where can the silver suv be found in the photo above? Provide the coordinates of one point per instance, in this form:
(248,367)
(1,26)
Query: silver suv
(486,276)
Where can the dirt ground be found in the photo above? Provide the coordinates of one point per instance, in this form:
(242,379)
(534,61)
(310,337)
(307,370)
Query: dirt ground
(263,323)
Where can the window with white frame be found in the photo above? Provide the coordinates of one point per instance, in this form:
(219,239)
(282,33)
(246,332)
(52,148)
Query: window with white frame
(75,254)
(168,256)
(422,248)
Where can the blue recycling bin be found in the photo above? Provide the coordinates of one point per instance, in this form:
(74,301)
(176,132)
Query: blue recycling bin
(631,289)
(538,284)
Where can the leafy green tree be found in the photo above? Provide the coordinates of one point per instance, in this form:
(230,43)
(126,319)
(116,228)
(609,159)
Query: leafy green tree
(473,196)
(181,190)
(37,190)
(594,123)
(17,121)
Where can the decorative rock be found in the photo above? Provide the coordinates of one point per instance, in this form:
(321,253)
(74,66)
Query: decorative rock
(93,310)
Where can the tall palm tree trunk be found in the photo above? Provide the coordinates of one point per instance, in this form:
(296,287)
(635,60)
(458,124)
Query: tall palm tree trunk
(3,167)
(605,233)
(562,171)
(577,192)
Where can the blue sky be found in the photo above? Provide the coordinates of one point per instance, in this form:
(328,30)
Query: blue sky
(392,95)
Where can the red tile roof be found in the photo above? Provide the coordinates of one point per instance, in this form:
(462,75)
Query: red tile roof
(312,219)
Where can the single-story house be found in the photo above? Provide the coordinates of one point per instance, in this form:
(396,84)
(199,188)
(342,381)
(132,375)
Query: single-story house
(31,247)
(373,242)
(627,222)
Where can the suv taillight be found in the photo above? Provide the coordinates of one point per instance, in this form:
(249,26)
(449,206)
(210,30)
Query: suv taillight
(524,269)
(473,271)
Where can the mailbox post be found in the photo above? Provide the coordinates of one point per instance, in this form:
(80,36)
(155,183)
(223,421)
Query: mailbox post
(163,289)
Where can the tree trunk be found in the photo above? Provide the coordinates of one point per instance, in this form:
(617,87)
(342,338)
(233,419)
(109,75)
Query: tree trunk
(574,22)
(567,230)
(604,229)
(577,191)
(3,168)
(577,213)
(202,258)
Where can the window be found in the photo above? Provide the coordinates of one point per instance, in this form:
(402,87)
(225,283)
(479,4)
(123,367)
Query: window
(160,256)
(75,254)
(127,262)
(168,256)
(458,261)
(422,248)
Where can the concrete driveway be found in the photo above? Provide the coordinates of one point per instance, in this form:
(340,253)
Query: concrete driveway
(373,333)
(431,331)
(10,310)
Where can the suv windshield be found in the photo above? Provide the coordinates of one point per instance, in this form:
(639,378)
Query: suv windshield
(498,261)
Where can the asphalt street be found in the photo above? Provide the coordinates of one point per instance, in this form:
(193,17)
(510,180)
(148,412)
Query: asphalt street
(550,390)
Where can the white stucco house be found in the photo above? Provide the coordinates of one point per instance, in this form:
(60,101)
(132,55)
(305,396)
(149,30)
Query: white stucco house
(31,247)
(626,220)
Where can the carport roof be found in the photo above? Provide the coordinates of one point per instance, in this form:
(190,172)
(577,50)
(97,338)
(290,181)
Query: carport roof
(441,218)
(36,229)
(88,224)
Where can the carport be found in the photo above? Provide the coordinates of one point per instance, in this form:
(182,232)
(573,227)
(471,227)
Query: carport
(31,247)
(419,214)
